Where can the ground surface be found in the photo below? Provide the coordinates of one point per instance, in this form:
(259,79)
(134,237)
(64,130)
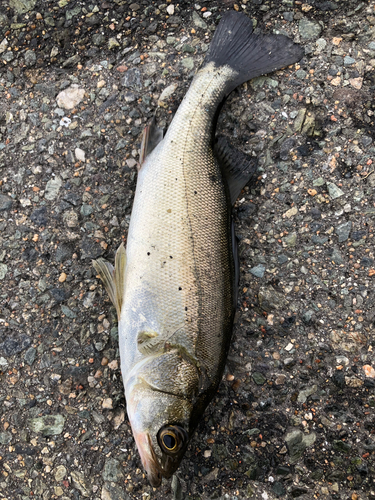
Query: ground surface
(294,415)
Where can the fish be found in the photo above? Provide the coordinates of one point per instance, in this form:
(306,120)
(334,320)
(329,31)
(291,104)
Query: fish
(175,286)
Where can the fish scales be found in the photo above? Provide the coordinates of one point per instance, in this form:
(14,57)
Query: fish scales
(179,256)
(175,288)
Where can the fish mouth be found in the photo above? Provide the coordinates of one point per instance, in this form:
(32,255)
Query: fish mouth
(155,471)
(150,461)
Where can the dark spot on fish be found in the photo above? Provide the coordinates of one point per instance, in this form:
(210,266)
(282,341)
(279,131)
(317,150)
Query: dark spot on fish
(179,288)
(170,257)
(186,308)
(148,253)
(195,192)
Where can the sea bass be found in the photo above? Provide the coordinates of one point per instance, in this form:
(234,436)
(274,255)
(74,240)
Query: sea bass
(175,286)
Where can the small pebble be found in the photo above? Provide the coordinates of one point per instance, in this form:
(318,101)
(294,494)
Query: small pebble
(107,404)
(62,277)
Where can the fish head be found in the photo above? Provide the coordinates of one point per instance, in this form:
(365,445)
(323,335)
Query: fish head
(160,423)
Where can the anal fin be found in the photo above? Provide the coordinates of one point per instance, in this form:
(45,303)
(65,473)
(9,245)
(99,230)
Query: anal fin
(113,278)
(237,167)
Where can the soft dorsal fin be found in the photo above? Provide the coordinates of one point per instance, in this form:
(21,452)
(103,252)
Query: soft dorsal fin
(237,167)
(152,135)
(113,277)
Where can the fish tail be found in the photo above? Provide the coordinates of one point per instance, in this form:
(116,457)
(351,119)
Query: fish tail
(249,55)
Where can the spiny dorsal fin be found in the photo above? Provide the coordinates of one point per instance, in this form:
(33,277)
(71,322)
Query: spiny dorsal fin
(152,135)
(237,167)
(113,278)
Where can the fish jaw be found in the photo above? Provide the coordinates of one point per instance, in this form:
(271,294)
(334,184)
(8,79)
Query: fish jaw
(149,460)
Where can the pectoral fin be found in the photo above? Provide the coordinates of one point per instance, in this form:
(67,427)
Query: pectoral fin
(237,167)
(150,343)
(152,135)
(113,277)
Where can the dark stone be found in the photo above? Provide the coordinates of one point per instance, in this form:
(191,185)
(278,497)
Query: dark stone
(259,378)
(245,211)
(286,147)
(326,6)
(90,249)
(77,373)
(288,322)
(72,198)
(367,262)
(315,226)
(14,344)
(14,92)
(298,491)
(174,20)
(93,20)
(42,145)
(63,252)
(369,382)
(363,468)
(70,157)
(25,450)
(39,216)
(132,79)
(98,39)
(283,470)
(30,355)
(315,213)
(278,489)
(30,254)
(343,231)
(49,89)
(358,235)
(318,240)
(5,202)
(58,294)
(343,446)
(282,259)
(100,152)
(152,27)
(307,316)
(111,100)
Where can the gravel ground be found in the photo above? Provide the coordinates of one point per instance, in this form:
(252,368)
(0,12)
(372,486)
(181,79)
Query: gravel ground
(294,415)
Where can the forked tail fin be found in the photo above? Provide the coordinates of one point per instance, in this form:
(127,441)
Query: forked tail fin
(234,44)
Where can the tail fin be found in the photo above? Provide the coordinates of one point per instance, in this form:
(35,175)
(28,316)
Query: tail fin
(234,44)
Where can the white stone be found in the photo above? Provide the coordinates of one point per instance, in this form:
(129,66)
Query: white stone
(65,121)
(167,92)
(3,45)
(79,154)
(70,97)
(25,202)
(107,404)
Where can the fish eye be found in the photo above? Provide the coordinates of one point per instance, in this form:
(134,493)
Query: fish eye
(169,441)
(172,438)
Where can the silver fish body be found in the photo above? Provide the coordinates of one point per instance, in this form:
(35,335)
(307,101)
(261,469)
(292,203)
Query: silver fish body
(176,295)
(180,270)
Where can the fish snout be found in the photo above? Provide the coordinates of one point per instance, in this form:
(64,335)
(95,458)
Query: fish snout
(149,459)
